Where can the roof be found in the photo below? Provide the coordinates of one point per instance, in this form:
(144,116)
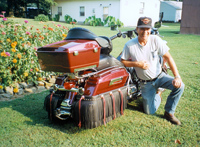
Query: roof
(176,5)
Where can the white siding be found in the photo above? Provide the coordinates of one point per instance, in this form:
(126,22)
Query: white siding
(170,12)
(178,15)
(128,11)
(72,8)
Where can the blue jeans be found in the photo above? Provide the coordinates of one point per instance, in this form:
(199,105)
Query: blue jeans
(151,100)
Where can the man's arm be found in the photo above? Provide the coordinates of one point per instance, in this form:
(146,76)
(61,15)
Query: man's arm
(177,80)
(140,64)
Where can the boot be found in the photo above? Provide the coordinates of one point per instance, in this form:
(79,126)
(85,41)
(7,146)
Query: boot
(172,118)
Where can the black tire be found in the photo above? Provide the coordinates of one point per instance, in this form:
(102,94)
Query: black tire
(51,105)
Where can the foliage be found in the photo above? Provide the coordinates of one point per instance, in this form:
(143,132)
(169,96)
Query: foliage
(42,17)
(119,23)
(14,6)
(3,5)
(56,18)
(110,21)
(18,45)
(93,21)
(69,19)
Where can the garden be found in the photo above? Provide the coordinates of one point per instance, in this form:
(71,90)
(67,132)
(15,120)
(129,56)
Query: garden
(24,122)
(18,46)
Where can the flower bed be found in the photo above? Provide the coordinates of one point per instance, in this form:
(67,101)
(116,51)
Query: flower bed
(18,57)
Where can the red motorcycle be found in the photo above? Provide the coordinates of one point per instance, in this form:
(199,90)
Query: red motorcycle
(95,86)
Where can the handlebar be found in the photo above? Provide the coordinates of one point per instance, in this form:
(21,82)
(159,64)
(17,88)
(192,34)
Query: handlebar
(115,36)
(130,34)
(126,33)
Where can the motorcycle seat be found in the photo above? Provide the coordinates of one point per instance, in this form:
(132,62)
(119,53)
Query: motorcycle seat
(82,33)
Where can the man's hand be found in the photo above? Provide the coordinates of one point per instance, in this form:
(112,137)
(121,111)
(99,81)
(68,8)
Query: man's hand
(177,82)
(144,65)
(141,64)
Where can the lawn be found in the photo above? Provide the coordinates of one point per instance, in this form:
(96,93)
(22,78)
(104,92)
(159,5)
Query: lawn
(24,122)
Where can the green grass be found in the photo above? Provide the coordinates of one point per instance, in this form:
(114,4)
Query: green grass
(24,122)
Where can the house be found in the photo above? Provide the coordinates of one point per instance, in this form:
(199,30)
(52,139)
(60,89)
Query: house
(127,11)
(172,10)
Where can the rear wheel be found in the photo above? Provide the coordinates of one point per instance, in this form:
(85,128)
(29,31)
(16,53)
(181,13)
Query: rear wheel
(51,103)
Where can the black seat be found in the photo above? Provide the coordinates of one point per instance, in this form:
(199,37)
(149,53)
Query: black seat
(82,33)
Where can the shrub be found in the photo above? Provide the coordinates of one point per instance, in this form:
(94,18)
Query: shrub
(119,23)
(42,17)
(110,21)
(69,19)
(56,18)
(18,45)
(93,21)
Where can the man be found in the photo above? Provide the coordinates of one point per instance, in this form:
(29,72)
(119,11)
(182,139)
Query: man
(144,52)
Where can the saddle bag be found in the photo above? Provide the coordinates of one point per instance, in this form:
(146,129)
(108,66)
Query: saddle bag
(94,111)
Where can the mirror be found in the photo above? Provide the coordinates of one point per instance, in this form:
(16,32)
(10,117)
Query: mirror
(157,24)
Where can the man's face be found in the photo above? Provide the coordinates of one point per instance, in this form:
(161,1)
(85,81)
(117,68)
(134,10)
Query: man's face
(143,33)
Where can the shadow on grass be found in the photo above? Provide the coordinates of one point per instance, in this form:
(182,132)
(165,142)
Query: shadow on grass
(169,32)
(31,106)
(137,105)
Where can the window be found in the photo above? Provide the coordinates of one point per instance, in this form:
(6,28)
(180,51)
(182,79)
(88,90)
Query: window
(60,11)
(105,12)
(82,11)
(142,8)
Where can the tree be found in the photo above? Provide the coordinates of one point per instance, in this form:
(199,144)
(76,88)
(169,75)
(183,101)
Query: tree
(15,7)
(3,5)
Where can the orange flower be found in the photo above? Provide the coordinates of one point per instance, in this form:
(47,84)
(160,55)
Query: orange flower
(26,74)
(19,56)
(15,42)
(39,79)
(8,40)
(3,54)
(14,60)
(21,38)
(37,69)
(15,90)
(64,35)
(51,29)
(42,37)
(13,50)
(13,45)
